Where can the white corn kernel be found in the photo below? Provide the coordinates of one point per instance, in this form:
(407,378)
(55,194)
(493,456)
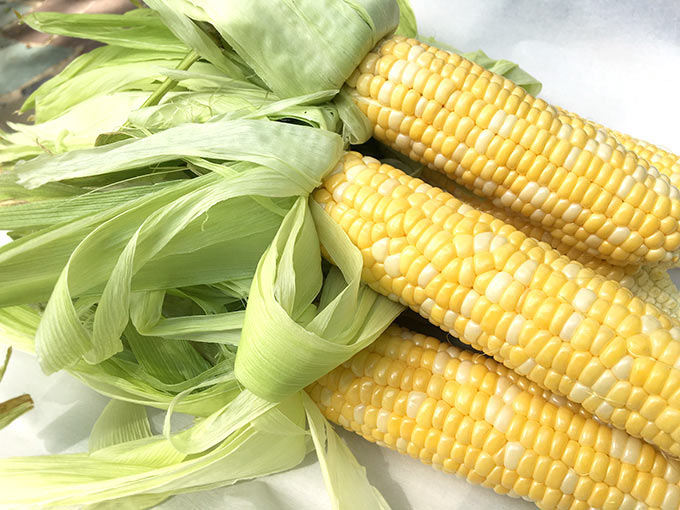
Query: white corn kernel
(569,482)
(440,361)
(380,249)
(579,393)
(403,142)
(420,107)
(415,52)
(392,264)
(525,272)
(498,286)
(468,303)
(526,367)
(572,212)
(649,324)
(426,307)
(493,407)
(440,161)
(513,454)
(359,411)
(463,372)
(604,411)
(605,383)
(415,400)
(619,236)
(383,420)
(511,394)
(426,275)
(397,70)
(450,319)
(503,419)
(631,453)
(528,192)
(626,185)
(472,332)
(395,120)
(571,270)
(497,121)
(584,299)
(339,191)
(618,444)
(623,368)
(508,125)
(497,242)
(571,325)
(385,94)
(512,336)
(671,500)
(508,198)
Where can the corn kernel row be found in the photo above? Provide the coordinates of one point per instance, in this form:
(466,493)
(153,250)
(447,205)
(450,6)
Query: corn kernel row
(664,161)
(651,284)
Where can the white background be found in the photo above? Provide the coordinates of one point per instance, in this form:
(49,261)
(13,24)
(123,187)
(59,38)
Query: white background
(616,62)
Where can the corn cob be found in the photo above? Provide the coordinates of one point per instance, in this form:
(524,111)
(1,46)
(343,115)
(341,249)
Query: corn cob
(465,414)
(491,136)
(651,284)
(586,337)
(664,161)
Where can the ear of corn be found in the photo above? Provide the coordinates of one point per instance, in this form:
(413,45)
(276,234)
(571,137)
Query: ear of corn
(465,414)
(584,337)
(491,136)
(664,161)
(651,284)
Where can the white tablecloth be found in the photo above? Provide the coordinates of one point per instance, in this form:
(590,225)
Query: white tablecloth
(617,62)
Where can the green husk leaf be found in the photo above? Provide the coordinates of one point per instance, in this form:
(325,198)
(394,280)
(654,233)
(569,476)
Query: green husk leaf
(224,140)
(146,315)
(407,19)
(287,343)
(195,38)
(344,477)
(85,479)
(46,213)
(119,422)
(62,339)
(330,38)
(356,129)
(76,129)
(137,29)
(17,327)
(169,361)
(136,70)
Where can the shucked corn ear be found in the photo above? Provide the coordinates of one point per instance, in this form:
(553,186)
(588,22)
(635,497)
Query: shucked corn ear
(465,414)
(586,337)
(491,136)
(664,161)
(651,284)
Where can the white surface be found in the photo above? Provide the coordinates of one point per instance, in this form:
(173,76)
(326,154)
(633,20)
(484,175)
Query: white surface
(615,62)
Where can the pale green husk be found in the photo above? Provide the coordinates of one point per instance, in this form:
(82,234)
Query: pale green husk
(166,251)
